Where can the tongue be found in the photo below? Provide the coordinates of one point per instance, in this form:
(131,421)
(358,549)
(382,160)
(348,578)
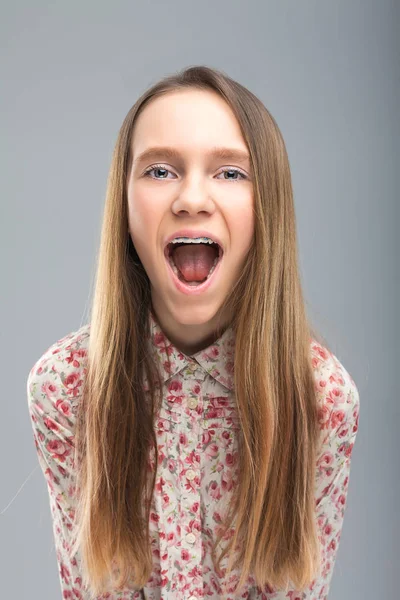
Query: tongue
(194,261)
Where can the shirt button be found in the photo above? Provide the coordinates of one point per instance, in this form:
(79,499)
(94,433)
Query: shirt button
(192,402)
(191,538)
(190,474)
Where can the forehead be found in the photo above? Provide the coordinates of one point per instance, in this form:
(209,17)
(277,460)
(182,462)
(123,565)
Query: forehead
(185,122)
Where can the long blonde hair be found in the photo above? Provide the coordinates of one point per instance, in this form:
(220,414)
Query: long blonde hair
(273,504)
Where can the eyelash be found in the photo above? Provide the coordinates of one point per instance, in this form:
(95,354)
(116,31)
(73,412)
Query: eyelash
(148,171)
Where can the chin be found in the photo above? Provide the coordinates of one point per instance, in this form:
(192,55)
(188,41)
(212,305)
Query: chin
(194,315)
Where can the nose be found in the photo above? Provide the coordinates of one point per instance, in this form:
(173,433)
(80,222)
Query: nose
(194,197)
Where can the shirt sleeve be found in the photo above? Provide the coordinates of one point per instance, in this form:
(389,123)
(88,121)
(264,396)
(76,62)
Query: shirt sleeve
(50,408)
(338,404)
(54,388)
(338,409)
(338,418)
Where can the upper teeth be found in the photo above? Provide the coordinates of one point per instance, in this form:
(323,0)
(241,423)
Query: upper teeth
(203,240)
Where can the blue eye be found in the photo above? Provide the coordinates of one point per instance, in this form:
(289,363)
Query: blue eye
(227,170)
(155,168)
(235,171)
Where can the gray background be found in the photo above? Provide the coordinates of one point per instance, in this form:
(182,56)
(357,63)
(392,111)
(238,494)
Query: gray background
(329,74)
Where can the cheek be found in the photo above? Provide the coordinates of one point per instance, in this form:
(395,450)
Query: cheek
(241,225)
(144,212)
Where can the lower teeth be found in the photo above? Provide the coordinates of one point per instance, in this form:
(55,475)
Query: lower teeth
(192,283)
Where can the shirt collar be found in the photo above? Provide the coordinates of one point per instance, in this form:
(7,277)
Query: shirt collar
(217,360)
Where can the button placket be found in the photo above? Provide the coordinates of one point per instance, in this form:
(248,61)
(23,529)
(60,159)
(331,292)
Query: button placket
(190,498)
(196,371)
(190,474)
(197,374)
(190,538)
(193,402)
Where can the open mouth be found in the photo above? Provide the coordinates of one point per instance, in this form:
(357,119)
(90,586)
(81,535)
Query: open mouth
(168,252)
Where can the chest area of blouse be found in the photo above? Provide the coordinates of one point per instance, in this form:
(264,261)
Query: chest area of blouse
(193,401)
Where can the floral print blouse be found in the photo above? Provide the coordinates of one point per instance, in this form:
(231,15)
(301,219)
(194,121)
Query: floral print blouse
(197,450)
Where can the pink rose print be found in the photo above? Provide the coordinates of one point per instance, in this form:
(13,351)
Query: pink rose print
(204,439)
(212,450)
(214,490)
(58,450)
(72,382)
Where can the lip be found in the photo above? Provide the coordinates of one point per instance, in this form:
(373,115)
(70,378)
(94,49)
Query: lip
(194,233)
(192,290)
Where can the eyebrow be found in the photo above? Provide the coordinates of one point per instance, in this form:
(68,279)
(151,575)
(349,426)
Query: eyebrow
(222,153)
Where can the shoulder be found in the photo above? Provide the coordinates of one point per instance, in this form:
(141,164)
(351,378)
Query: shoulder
(338,399)
(332,380)
(64,351)
(55,380)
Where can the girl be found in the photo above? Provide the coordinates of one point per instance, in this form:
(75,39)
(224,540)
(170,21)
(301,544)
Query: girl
(196,435)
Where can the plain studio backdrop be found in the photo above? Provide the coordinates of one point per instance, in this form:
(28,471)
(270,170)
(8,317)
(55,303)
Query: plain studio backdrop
(329,74)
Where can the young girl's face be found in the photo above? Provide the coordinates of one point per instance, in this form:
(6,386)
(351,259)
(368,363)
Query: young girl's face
(189,189)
